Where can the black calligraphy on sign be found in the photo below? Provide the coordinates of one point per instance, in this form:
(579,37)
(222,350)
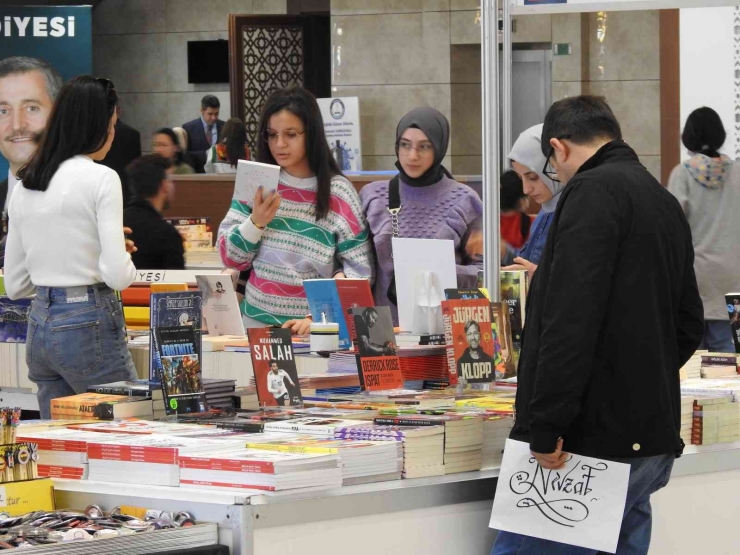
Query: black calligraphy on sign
(558,495)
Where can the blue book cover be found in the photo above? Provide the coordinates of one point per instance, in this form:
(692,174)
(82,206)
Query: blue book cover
(177,308)
(323,297)
(14,320)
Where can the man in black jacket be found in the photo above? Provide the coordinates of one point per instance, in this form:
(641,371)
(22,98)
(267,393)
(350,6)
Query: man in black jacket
(159,245)
(205,131)
(613,313)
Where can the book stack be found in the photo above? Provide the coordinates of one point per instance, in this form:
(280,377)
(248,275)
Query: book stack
(245,397)
(219,392)
(423,446)
(496,430)
(501,403)
(406,339)
(716,420)
(98,406)
(423,362)
(139,389)
(362,462)
(134,426)
(257,469)
(463,437)
(152,459)
(718,365)
(197,234)
(63,452)
(687,418)
(692,369)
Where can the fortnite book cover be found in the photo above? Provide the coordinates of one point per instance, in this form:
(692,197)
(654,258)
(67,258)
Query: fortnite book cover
(275,371)
(180,373)
(171,309)
(377,360)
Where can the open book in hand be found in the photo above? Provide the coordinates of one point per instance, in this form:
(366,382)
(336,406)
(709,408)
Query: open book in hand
(250,176)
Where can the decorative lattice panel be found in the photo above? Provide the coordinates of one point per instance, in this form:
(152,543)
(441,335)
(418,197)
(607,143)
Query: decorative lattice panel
(273,59)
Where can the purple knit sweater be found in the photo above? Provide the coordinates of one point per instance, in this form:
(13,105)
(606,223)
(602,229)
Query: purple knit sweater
(444,210)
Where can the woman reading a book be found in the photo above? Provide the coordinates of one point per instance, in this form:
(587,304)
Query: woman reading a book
(539,184)
(432,204)
(66,244)
(311,227)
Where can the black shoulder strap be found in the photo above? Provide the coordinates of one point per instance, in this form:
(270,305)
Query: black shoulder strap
(394,195)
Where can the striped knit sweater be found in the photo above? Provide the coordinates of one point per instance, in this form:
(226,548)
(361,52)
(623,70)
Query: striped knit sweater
(295,247)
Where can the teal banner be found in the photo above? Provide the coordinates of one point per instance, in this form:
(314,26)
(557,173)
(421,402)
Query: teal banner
(59,36)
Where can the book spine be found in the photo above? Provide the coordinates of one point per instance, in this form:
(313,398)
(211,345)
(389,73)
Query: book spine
(407,422)
(295,449)
(120,391)
(159,372)
(226,485)
(449,342)
(227,465)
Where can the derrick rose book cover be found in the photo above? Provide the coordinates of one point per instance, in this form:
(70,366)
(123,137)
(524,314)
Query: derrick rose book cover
(275,371)
(180,373)
(377,361)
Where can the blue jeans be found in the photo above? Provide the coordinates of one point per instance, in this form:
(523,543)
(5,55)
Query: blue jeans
(647,476)
(76,338)
(717,337)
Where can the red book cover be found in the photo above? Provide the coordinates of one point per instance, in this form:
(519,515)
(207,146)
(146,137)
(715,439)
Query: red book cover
(353,293)
(228,465)
(470,346)
(136,296)
(225,485)
(377,359)
(275,371)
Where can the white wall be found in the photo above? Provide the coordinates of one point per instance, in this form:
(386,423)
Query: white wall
(707,66)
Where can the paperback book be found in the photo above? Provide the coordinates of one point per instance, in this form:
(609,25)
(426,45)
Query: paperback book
(220,306)
(513,297)
(733,311)
(470,343)
(275,372)
(170,309)
(377,357)
(182,384)
(333,298)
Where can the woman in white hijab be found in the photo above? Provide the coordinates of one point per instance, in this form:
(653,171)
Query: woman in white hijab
(528,161)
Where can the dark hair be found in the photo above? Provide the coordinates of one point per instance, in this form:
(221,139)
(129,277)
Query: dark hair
(78,124)
(470,323)
(146,174)
(368,311)
(582,120)
(303,105)
(512,190)
(704,132)
(234,136)
(173,137)
(272,361)
(25,64)
(210,101)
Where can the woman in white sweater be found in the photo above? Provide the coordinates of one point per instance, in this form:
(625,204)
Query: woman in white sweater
(66,244)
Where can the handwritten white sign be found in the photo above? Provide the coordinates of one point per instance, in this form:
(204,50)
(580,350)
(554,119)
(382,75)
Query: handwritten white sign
(580,504)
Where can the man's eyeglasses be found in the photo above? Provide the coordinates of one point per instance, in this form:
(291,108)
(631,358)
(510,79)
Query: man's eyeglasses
(289,135)
(548,170)
(108,85)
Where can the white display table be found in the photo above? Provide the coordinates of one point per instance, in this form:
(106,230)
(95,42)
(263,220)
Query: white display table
(696,513)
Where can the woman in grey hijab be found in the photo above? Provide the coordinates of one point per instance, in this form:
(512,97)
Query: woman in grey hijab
(432,204)
(528,161)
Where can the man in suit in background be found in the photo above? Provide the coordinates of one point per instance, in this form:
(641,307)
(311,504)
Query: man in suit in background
(205,131)
(28,87)
(125,149)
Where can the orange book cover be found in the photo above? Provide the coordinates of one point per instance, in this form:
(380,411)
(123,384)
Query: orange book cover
(470,345)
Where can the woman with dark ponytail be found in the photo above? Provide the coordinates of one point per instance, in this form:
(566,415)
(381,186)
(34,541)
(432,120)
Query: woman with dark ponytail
(66,244)
(708,187)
